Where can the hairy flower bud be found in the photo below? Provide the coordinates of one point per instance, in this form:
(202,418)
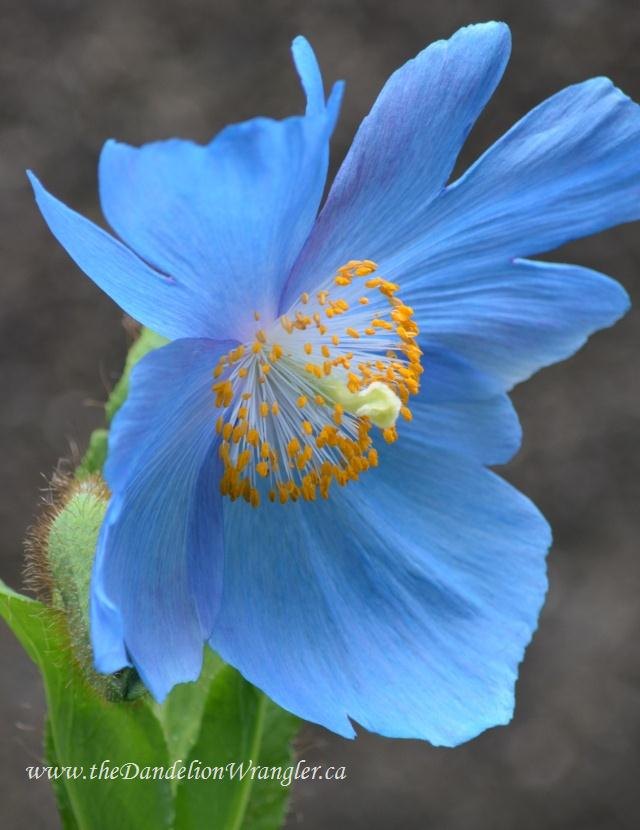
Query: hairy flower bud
(62,549)
(70,549)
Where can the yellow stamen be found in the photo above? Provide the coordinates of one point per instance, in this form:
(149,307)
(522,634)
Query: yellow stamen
(366,384)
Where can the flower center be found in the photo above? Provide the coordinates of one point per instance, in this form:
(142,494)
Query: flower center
(299,402)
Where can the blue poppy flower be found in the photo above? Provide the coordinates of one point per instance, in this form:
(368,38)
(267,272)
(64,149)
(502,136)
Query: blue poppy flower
(260,500)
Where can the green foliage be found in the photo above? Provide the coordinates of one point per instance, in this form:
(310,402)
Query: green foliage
(95,456)
(59,785)
(267,803)
(240,726)
(182,711)
(219,720)
(85,730)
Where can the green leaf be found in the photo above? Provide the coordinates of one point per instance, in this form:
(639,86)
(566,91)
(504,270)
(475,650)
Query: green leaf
(59,787)
(86,730)
(241,729)
(147,342)
(181,714)
(268,800)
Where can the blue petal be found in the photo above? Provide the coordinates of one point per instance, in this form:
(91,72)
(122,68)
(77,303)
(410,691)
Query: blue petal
(150,297)
(310,75)
(462,410)
(227,219)
(157,576)
(521,317)
(404,151)
(404,602)
(569,168)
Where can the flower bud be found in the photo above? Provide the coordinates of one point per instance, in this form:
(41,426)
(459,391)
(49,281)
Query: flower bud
(71,543)
(62,550)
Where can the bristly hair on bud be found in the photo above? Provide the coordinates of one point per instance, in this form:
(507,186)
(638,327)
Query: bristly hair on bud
(37,575)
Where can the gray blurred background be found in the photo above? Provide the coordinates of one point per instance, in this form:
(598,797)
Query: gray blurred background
(74,73)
